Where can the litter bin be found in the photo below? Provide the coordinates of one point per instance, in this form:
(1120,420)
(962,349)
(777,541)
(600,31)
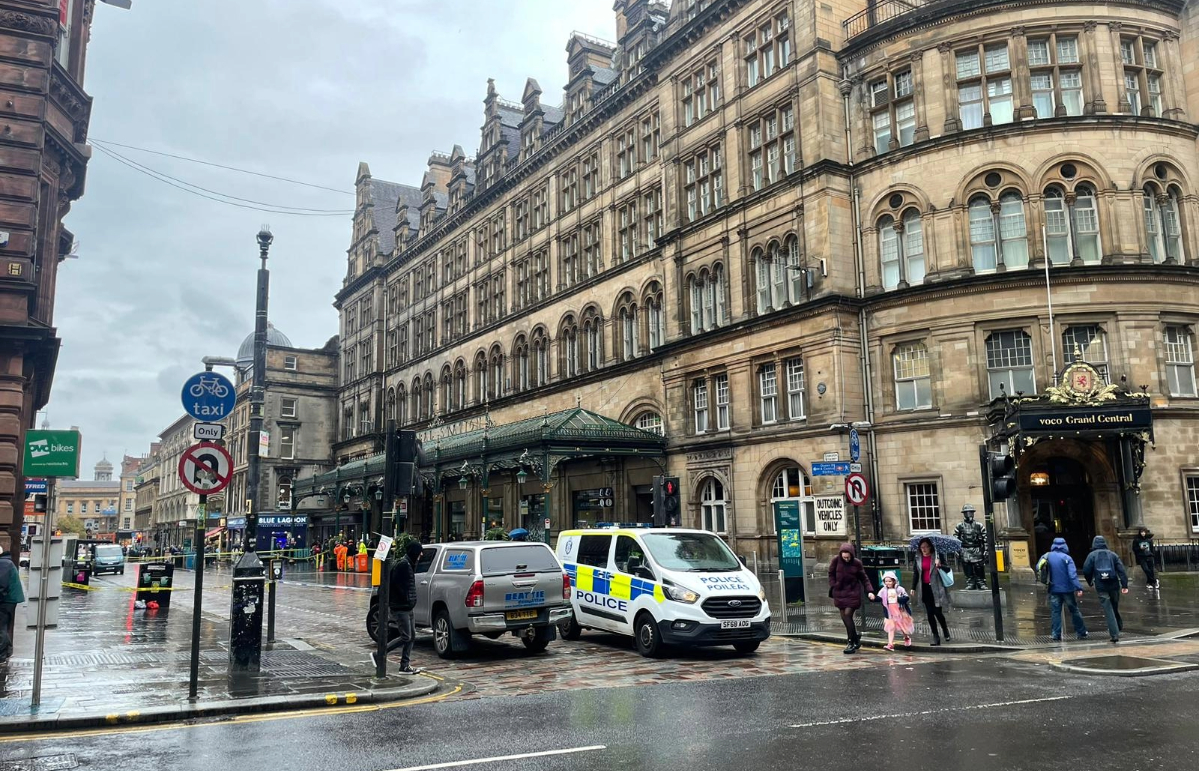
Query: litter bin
(883,559)
(363,562)
(189,561)
(155,582)
(81,572)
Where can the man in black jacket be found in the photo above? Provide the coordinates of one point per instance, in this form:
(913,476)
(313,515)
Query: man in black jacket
(401,600)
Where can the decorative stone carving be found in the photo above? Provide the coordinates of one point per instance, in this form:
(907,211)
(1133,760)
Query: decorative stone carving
(28,22)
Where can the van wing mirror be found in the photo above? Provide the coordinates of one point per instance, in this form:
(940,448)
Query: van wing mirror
(643,572)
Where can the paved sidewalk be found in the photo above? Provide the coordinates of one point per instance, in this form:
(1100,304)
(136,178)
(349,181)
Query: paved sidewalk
(1026,619)
(110,662)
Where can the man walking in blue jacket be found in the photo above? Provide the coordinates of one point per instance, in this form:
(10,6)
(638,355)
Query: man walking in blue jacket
(1064,588)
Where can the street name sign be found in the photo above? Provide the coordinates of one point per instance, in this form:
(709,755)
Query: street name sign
(856,489)
(208,432)
(205,468)
(208,396)
(51,453)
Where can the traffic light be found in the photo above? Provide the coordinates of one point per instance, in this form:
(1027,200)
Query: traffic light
(39,503)
(1003,476)
(666,501)
(410,454)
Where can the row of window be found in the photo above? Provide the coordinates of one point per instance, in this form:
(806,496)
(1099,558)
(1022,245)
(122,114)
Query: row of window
(780,396)
(991,78)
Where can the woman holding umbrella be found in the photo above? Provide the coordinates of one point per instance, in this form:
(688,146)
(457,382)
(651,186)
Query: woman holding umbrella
(928,584)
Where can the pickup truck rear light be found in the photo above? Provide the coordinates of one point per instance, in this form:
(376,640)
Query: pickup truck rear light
(565,586)
(474,595)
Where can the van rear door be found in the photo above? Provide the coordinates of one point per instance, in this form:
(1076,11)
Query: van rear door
(520,580)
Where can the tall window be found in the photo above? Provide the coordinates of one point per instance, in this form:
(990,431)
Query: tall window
(893,111)
(768,392)
(984,81)
(1180,361)
(795,389)
(1163,228)
(701,92)
(651,136)
(460,385)
(767,49)
(592,261)
(790,483)
(629,338)
(626,232)
(1056,75)
(1009,363)
(998,233)
(901,249)
(1142,75)
(707,299)
(593,333)
(1086,342)
(497,374)
(570,353)
(924,507)
(540,215)
(772,149)
(287,442)
(651,213)
(913,389)
(1192,492)
(655,316)
(1086,225)
(699,402)
(713,506)
(521,354)
(626,153)
(650,421)
(704,183)
(721,384)
(1072,227)
(568,256)
(541,367)
(288,408)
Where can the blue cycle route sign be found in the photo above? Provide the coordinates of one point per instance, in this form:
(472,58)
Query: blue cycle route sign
(208,397)
(855,445)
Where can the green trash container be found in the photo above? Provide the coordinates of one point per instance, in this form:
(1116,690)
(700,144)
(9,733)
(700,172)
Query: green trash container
(883,559)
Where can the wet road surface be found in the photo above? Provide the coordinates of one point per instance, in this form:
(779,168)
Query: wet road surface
(976,713)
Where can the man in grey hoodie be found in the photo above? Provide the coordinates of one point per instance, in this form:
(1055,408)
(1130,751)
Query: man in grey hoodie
(1104,570)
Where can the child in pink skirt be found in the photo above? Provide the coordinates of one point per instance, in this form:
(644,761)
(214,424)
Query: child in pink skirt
(895,605)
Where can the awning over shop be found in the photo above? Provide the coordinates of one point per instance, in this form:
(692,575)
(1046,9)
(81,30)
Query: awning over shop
(537,445)
(214,532)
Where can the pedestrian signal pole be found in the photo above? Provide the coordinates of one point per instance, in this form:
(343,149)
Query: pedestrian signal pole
(999,484)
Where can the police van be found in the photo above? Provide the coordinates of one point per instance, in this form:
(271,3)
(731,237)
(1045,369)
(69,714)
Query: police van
(662,586)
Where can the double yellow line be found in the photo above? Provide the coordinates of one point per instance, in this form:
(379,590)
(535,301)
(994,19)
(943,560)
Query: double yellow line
(350,708)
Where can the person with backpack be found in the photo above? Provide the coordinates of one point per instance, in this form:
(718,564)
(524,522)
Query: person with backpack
(1104,570)
(1145,553)
(11,595)
(1056,569)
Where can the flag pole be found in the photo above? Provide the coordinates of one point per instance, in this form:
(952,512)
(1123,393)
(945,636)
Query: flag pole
(1049,300)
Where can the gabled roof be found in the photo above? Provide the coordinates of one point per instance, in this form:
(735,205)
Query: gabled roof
(385,196)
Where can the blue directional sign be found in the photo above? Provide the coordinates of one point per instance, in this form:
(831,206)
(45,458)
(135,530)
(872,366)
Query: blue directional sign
(855,446)
(835,469)
(208,397)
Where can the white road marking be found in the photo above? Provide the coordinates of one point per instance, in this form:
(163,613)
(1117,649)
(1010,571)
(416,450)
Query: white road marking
(498,758)
(993,705)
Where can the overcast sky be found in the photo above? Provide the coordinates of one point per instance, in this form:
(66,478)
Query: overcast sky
(303,89)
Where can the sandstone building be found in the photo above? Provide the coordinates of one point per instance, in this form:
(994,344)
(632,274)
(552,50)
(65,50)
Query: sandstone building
(751,225)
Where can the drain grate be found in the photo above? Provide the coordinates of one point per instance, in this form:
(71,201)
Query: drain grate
(45,763)
(297,663)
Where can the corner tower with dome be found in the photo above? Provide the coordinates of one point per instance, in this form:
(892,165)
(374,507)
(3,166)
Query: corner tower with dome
(299,418)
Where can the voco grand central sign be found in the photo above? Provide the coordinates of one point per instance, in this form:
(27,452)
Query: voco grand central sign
(1087,419)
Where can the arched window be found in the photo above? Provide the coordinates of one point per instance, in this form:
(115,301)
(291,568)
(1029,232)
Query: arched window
(593,335)
(568,348)
(901,250)
(541,364)
(650,421)
(1163,229)
(888,251)
(1072,225)
(629,342)
(496,386)
(713,506)
(428,414)
(654,317)
(777,284)
(418,409)
(460,385)
(716,290)
(984,247)
(480,377)
(707,299)
(1013,231)
(284,497)
(521,354)
(391,404)
(913,247)
(401,397)
(447,389)
(795,275)
(791,484)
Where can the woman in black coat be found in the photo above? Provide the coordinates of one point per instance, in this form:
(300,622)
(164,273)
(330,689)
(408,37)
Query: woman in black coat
(846,580)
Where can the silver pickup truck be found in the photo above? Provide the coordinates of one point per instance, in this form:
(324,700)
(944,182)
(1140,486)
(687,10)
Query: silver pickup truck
(488,588)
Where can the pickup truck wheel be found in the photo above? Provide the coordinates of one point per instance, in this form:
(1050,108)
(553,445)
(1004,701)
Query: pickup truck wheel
(569,628)
(746,647)
(372,621)
(538,638)
(448,642)
(646,636)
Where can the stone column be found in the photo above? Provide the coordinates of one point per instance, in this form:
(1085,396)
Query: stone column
(1020,73)
(1096,105)
(949,87)
(1122,104)
(1174,93)
(917,60)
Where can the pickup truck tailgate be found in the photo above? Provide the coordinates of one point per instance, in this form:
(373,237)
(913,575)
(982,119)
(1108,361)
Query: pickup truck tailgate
(520,578)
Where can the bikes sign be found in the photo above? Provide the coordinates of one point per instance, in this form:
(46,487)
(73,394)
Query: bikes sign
(208,397)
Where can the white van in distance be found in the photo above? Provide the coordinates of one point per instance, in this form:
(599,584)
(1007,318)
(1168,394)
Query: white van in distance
(662,586)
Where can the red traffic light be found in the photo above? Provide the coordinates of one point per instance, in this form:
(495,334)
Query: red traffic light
(671,487)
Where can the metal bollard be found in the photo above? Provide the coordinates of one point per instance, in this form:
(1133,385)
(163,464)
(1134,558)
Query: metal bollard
(783,595)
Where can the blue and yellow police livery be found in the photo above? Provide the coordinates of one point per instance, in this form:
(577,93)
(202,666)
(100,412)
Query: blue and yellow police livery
(662,586)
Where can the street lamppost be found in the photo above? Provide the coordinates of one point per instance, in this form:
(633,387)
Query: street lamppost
(249,575)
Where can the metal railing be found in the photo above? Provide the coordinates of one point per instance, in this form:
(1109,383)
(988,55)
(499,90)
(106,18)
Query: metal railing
(877,12)
(1177,556)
